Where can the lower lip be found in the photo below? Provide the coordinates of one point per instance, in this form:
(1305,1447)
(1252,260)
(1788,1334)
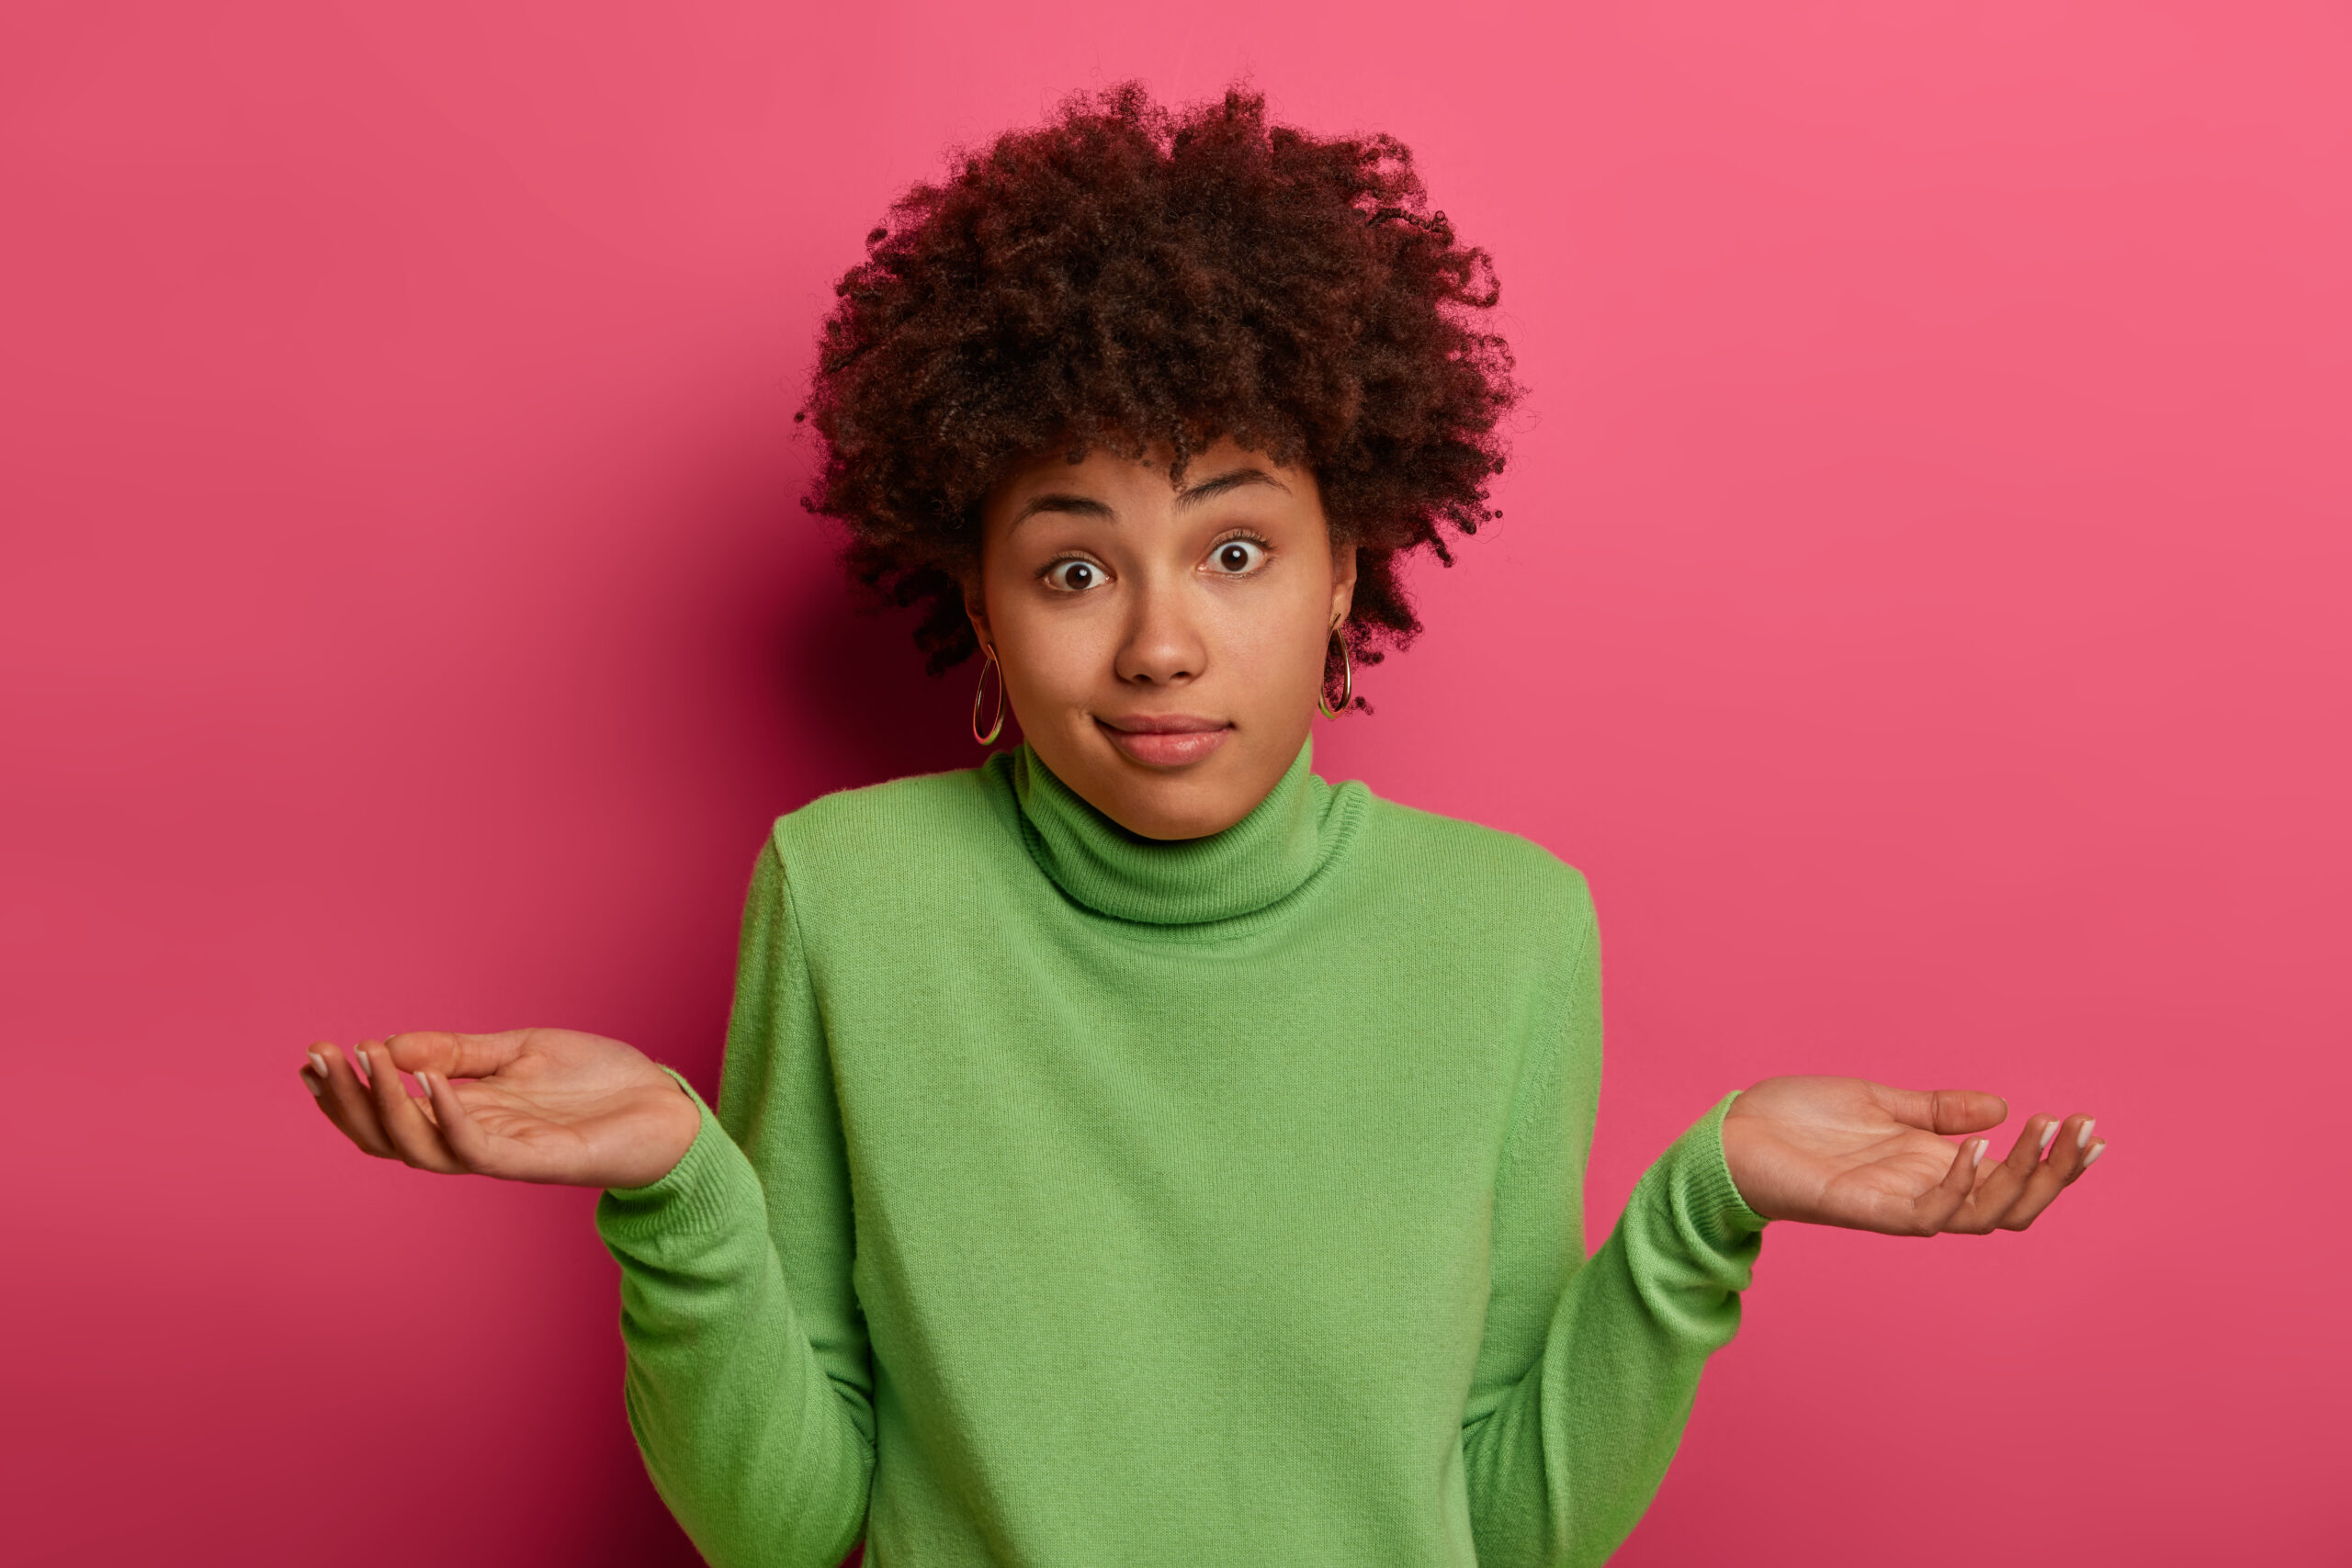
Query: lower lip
(1169,749)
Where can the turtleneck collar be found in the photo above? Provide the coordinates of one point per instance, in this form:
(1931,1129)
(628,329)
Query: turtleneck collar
(1267,855)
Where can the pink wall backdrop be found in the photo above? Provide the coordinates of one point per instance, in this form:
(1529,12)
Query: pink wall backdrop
(1921,610)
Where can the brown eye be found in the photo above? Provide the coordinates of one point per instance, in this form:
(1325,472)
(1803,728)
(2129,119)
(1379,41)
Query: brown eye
(1236,557)
(1073,576)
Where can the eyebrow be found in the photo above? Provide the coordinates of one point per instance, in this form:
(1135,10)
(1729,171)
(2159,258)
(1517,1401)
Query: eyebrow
(1206,491)
(1062,500)
(1228,482)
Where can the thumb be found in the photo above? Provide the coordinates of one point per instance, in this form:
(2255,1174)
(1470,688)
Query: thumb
(1944,1111)
(455,1055)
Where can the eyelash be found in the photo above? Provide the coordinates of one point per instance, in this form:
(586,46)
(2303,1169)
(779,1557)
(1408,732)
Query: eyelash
(1058,562)
(1045,574)
(1265,550)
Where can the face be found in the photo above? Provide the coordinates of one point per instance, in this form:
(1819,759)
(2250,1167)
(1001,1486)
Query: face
(1162,646)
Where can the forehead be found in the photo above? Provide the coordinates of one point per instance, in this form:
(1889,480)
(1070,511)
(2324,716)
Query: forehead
(1114,477)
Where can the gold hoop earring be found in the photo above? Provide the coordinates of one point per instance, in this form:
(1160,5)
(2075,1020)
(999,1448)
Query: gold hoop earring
(1347,680)
(996,728)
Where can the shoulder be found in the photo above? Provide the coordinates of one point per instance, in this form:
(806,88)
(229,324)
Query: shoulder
(1465,862)
(859,864)
(897,825)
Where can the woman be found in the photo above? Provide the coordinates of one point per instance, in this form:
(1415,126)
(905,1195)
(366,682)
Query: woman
(1136,1150)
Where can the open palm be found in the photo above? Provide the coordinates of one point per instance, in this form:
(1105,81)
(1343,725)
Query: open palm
(1835,1151)
(528,1104)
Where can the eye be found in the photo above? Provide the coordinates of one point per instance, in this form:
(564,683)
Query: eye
(1073,576)
(1237,557)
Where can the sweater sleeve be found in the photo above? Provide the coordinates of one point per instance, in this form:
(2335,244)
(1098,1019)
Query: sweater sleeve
(749,1382)
(1588,1367)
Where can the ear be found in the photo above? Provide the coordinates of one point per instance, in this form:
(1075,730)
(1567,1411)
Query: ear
(1343,581)
(975,605)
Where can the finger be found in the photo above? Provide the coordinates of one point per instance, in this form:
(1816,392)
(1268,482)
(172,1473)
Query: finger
(345,1099)
(417,1139)
(2071,1152)
(360,1057)
(2000,1186)
(1934,1209)
(1944,1111)
(2025,1155)
(473,1148)
(319,1079)
(455,1055)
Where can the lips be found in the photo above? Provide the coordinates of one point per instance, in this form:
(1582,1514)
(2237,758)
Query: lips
(1165,740)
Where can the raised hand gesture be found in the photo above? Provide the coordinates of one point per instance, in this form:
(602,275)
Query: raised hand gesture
(527,1105)
(1848,1152)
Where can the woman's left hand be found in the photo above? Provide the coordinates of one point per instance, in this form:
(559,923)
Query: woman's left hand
(1848,1152)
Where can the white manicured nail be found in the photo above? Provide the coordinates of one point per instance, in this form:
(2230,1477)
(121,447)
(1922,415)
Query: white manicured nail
(2091,1158)
(1982,1144)
(2082,1138)
(2048,1136)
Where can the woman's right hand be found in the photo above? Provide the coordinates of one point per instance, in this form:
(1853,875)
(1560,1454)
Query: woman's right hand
(527,1105)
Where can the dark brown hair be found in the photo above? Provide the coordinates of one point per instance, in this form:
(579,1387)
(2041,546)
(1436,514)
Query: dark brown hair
(1126,276)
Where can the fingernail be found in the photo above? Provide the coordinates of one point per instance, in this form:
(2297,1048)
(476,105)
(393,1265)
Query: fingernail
(1982,1144)
(2091,1158)
(2082,1138)
(2048,1136)
(314,1085)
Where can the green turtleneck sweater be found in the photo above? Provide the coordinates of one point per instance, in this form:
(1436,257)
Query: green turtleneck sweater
(1077,1199)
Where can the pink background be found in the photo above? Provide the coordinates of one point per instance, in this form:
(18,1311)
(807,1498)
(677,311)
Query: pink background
(1922,611)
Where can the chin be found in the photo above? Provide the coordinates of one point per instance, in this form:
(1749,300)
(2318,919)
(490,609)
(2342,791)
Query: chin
(1168,804)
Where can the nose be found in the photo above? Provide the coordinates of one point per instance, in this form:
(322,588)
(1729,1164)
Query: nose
(1163,645)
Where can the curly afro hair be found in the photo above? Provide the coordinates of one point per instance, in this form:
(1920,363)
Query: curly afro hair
(1128,276)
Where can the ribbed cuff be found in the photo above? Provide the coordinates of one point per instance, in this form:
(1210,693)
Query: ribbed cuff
(711,1185)
(1710,1198)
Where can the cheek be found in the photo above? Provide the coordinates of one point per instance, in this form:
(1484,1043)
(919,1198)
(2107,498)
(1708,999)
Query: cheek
(1286,628)
(1053,659)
